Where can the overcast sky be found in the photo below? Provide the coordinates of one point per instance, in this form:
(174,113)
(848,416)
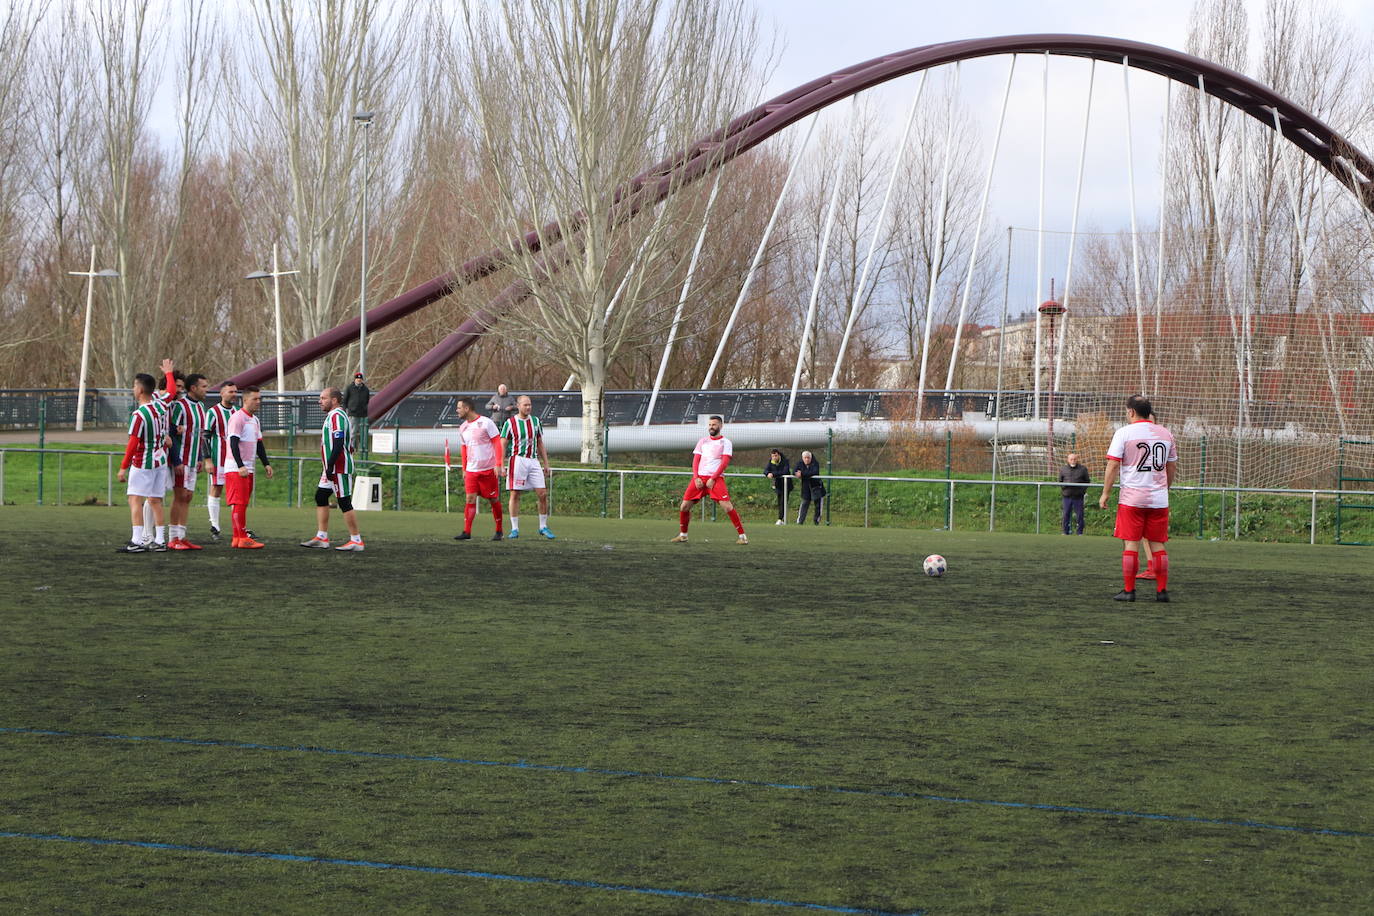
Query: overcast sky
(820,37)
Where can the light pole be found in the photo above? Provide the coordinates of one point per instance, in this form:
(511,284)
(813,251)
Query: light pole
(276,273)
(90,276)
(365,119)
(1051,308)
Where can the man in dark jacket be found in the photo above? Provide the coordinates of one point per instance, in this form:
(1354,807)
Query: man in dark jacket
(355,400)
(812,487)
(780,473)
(1072,475)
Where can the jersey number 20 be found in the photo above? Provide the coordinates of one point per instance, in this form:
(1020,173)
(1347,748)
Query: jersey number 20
(1153,456)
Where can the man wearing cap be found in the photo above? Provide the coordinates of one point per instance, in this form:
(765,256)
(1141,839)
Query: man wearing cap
(355,398)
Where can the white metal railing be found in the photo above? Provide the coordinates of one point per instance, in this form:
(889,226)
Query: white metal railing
(950,485)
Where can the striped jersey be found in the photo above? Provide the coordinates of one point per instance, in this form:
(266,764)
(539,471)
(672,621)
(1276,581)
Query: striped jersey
(522,436)
(217,430)
(1144,450)
(190,416)
(147,424)
(337,429)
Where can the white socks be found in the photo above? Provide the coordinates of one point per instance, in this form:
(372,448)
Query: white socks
(514,523)
(543,521)
(147,516)
(213,504)
(322,535)
(138,535)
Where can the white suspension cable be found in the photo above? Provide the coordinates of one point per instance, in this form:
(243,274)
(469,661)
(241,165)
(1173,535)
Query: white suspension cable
(1073,228)
(816,283)
(1163,213)
(978,230)
(855,305)
(1040,229)
(1135,238)
(682,299)
(758,255)
(933,278)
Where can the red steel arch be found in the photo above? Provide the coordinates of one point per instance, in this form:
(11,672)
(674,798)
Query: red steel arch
(1304,130)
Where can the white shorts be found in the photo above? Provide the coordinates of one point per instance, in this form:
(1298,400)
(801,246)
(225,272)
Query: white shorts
(217,478)
(189,474)
(525,474)
(147,482)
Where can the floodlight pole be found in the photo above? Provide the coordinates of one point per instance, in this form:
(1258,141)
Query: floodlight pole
(90,276)
(365,119)
(1051,309)
(276,274)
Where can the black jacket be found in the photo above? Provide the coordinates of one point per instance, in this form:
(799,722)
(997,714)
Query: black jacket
(355,398)
(1076,474)
(812,487)
(781,472)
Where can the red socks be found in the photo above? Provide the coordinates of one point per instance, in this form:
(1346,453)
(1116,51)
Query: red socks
(1161,563)
(495,513)
(238,514)
(734,519)
(684,519)
(1130,565)
(469,513)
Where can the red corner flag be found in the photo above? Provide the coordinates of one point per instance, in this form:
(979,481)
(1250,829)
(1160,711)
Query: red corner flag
(447,462)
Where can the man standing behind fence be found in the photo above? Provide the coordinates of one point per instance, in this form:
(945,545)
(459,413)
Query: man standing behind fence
(808,474)
(1074,476)
(355,401)
(1145,456)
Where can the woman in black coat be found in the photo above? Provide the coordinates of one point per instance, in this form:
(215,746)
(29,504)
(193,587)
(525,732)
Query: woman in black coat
(812,487)
(779,472)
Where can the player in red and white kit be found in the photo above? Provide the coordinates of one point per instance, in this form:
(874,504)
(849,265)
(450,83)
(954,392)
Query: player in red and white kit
(1143,454)
(709,460)
(245,448)
(481,457)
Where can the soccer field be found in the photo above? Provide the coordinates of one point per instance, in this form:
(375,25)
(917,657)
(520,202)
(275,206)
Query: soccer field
(610,723)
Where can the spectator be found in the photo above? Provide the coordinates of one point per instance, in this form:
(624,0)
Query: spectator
(1075,478)
(355,401)
(780,473)
(502,405)
(812,487)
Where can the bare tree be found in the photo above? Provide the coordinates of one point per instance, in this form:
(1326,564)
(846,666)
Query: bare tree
(304,70)
(569,100)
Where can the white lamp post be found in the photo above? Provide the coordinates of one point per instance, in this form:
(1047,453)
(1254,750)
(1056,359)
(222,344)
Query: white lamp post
(276,273)
(365,119)
(90,276)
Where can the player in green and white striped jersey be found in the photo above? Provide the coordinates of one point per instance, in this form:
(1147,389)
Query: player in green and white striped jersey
(217,449)
(336,479)
(527,465)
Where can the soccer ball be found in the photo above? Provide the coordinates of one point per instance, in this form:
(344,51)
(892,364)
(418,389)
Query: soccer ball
(934,565)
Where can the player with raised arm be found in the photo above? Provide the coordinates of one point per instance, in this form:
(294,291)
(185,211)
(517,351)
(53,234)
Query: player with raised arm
(169,386)
(527,464)
(481,457)
(336,479)
(709,460)
(1143,454)
(217,449)
(187,419)
(245,448)
(145,459)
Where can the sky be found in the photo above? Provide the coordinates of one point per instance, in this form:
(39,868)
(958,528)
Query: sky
(817,37)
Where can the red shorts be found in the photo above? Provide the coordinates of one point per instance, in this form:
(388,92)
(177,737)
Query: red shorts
(238,490)
(483,483)
(1134,523)
(718,491)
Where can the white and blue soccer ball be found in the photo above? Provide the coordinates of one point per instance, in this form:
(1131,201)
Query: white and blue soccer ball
(934,565)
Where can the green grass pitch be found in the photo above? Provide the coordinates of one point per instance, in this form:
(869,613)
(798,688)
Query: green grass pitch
(610,723)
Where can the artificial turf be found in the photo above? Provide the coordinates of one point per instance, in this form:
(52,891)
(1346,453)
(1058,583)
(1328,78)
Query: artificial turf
(610,723)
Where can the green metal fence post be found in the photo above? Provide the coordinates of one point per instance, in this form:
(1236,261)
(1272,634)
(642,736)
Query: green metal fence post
(830,463)
(396,457)
(949,476)
(42,442)
(1202,493)
(605,461)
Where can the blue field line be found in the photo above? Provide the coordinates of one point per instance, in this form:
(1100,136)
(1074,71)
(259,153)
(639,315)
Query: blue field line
(456,872)
(706,780)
